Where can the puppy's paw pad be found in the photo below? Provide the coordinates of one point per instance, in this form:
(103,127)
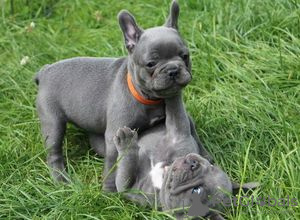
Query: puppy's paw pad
(125,137)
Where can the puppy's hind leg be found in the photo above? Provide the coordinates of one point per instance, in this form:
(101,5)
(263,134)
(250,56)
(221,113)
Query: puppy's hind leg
(126,144)
(53,129)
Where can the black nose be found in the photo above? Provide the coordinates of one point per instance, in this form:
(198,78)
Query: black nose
(193,164)
(173,72)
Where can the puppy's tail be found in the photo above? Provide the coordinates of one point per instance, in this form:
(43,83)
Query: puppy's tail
(37,75)
(245,187)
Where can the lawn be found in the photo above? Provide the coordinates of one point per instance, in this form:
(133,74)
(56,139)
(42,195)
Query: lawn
(244,98)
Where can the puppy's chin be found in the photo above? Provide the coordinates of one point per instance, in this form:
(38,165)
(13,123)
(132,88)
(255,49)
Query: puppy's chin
(167,93)
(164,87)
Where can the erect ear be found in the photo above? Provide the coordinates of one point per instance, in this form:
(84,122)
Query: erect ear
(131,31)
(245,187)
(172,20)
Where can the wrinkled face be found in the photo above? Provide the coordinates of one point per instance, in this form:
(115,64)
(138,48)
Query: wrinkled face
(161,62)
(189,175)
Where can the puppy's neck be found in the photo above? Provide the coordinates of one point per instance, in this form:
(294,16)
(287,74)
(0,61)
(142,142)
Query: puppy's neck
(177,121)
(142,92)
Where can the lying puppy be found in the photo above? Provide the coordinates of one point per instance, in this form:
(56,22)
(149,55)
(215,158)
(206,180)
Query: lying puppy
(102,94)
(166,160)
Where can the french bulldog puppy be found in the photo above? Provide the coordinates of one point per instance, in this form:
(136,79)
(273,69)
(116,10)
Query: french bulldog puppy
(102,94)
(165,160)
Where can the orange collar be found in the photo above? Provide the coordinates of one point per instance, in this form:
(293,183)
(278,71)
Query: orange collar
(139,97)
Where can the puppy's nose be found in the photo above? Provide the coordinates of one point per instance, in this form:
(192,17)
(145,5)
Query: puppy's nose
(173,72)
(193,164)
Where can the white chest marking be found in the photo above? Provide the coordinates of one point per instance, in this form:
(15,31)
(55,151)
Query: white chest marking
(156,174)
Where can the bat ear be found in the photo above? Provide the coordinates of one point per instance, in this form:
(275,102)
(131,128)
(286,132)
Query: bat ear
(245,187)
(130,29)
(172,20)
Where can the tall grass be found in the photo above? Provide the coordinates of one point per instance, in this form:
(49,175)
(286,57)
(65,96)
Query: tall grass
(244,98)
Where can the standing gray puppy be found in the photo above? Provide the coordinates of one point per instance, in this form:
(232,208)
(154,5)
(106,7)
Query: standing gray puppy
(102,94)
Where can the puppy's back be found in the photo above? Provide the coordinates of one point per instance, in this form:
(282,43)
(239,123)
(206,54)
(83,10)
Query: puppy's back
(78,88)
(74,69)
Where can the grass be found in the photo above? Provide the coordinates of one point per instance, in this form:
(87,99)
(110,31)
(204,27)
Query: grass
(244,98)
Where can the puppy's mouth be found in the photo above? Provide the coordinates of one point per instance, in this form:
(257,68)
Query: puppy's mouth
(168,92)
(182,78)
(165,85)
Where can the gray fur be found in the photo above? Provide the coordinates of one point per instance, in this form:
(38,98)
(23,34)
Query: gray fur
(92,93)
(172,144)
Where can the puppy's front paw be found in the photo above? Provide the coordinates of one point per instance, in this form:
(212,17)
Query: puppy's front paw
(125,139)
(60,176)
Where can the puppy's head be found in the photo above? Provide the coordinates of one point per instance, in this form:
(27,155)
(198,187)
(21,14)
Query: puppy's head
(159,59)
(190,175)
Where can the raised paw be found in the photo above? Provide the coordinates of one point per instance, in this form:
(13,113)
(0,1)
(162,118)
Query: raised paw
(125,139)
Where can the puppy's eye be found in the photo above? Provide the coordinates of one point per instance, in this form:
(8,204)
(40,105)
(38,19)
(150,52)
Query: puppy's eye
(197,190)
(151,64)
(185,57)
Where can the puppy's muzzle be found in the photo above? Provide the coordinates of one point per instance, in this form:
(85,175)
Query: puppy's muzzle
(173,71)
(193,163)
